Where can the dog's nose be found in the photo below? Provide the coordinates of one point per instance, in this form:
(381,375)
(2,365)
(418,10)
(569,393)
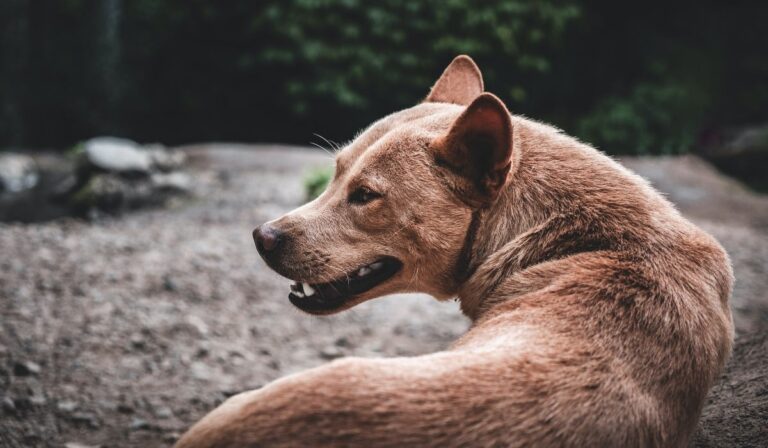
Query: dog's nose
(267,238)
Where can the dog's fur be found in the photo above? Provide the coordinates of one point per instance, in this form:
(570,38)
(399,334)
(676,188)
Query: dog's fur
(600,314)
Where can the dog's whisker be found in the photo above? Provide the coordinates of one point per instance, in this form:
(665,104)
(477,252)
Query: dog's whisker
(330,154)
(334,145)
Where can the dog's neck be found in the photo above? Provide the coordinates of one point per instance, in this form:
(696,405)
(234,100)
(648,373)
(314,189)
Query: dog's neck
(539,190)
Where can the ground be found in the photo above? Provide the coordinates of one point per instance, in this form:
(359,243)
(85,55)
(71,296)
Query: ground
(122,332)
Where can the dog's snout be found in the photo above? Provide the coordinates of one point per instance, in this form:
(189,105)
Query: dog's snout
(267,238)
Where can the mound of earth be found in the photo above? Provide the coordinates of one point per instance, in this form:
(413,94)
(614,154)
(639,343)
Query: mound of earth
(123,332)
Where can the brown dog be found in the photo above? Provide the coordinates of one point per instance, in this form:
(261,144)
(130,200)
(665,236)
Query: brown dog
(600,315)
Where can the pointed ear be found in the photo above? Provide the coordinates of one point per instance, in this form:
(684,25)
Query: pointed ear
(460,83)
(477,152)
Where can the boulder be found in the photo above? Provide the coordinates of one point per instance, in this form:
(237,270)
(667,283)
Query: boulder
(116,174)
(17,173)
(116,154)
(740,152)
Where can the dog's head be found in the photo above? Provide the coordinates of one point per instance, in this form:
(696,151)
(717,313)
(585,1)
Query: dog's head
(397,214)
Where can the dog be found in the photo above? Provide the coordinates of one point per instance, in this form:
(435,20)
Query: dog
(600,315)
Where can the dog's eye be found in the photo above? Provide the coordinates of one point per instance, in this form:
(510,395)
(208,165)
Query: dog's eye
(362,195)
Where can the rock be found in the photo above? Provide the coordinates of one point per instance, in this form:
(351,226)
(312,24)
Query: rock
(88,419)
(26,368)
(9,406)
(116,154)
(174,182)
(67,406)
(79,445)
(331,352)
(164,159)
(200,371)
(124,408)
(138,424)
(741,152)
(170,284)
(138,342)
(198,324)
(101,191)
(37,400)
(163,412)
(17,173)
(171,437)
(343,342)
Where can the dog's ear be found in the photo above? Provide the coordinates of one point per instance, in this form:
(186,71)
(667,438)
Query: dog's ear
(477,151)
(460,83)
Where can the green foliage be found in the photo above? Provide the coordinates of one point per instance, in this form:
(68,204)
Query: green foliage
(315,182)
(364,56)
(181,71)
(651,119)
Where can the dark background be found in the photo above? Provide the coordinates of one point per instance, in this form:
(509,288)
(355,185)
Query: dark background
(630,77)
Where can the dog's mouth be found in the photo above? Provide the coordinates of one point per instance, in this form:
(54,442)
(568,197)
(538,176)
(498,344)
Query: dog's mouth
(325,297)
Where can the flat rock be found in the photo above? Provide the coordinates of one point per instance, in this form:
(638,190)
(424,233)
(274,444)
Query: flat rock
(117,154)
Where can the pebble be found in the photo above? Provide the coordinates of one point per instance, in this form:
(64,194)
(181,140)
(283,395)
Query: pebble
(79,445)
(67,406)
(8,405)
(170,284)
(163,412)
(200,371)
(331,352)
(37,400)
(138,424)
(171,437)
(124,408)
(87,418)
(26,368)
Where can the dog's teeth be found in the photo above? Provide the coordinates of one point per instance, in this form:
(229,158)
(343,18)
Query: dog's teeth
(308,290)
(376,265)
(365,270)
(299,294)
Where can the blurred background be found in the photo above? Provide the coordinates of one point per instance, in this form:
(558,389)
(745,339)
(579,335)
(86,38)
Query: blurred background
(141,141)
(659,78)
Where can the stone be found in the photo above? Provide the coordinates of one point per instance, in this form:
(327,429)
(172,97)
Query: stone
(170,284)
(67,406)
(198,324)
(163,412)
(164,159)
(26,368)
(17,173)
(88,419)
(200,371)
(116,154)
(177,182)
(331,352)
(740,152)
(125,408)
(138,424)
(9,406)
(171,437)
(79,445)
(37,400)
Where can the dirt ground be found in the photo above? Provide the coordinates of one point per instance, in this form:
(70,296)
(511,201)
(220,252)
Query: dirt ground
(122,332)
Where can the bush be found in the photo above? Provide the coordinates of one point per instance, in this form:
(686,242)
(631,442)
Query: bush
(315,182)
